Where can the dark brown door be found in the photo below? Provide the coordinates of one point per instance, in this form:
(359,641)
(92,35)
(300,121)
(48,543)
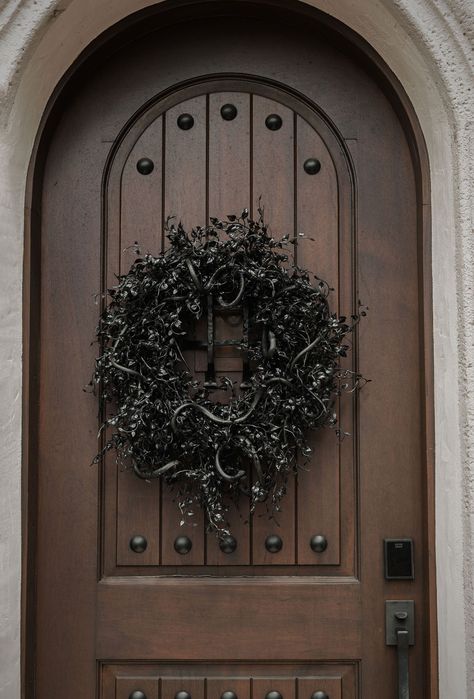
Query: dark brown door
(110,621)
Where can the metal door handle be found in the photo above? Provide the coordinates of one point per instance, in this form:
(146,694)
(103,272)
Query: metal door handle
(400,632)
(403,676)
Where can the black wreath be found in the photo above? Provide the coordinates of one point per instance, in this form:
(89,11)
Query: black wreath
(164,421)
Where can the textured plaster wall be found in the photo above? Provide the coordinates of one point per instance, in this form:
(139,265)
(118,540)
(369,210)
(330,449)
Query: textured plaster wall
(428,44)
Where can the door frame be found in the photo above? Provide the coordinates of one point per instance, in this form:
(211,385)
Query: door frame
(129,28)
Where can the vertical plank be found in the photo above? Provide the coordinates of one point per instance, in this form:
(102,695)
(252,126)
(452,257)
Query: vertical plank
(273,180)
(228,362)
(138,501)
(170,686)
(318,490)
(273,165)
(185,164)
(216,686)
(229,193)
(229,155)
(125,686)
(331,685)
(141,200)
(138,504)
(184,174)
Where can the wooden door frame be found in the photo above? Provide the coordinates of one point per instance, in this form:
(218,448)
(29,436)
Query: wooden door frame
(130,28)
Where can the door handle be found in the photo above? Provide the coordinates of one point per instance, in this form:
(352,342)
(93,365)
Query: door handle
(400,632)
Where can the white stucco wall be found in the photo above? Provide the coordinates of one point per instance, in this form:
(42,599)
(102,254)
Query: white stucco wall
(428,45)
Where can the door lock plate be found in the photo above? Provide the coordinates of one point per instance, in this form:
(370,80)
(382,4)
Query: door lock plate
(399,616)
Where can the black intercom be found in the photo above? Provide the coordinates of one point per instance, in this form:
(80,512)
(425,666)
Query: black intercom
(398,555)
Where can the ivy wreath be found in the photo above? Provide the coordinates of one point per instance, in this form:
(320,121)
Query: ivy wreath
(162,420)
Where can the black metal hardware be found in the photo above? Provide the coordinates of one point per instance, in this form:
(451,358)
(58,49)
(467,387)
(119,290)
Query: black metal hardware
(228,112)
(138,543)
(273,695)
(320,695)
(318,543)
(210,378)
(400,632)
(183,545)
(398,556)
(137,694)
(273,122)
(182,694)
(185,122)
(228,544)
(229,695)
(145,166)
(273,543)
(312,166)
(211,343)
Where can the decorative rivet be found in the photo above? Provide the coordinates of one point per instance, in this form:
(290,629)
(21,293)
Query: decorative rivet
(273,122)
(319,695)
(273,695)
(229,695)
(312,166)
(318,543)
(145,166)
(228,544)
(185,122)
(182,694)
(137,694)
(228,112)
(183,545)
(138,543)
(273,543)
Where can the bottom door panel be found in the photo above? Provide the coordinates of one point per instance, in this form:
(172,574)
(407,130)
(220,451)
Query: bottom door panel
(229,681)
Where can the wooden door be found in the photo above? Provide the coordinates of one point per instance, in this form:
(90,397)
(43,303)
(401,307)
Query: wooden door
(111,622)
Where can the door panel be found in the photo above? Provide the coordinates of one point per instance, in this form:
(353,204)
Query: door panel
(210,682)
(116,621)
(240,161)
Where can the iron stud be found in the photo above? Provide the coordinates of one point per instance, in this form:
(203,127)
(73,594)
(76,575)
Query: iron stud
(228,544)
(318,543)
(185,122)
(228,112)
(273,543)
(138,543)
(183,545)
(312,166)
(182,694)
(273,122)
(145,166)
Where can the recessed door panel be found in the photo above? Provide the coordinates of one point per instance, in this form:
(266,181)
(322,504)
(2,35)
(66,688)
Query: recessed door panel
(247,148)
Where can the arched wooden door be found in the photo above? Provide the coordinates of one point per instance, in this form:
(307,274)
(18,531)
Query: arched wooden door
(109,621)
